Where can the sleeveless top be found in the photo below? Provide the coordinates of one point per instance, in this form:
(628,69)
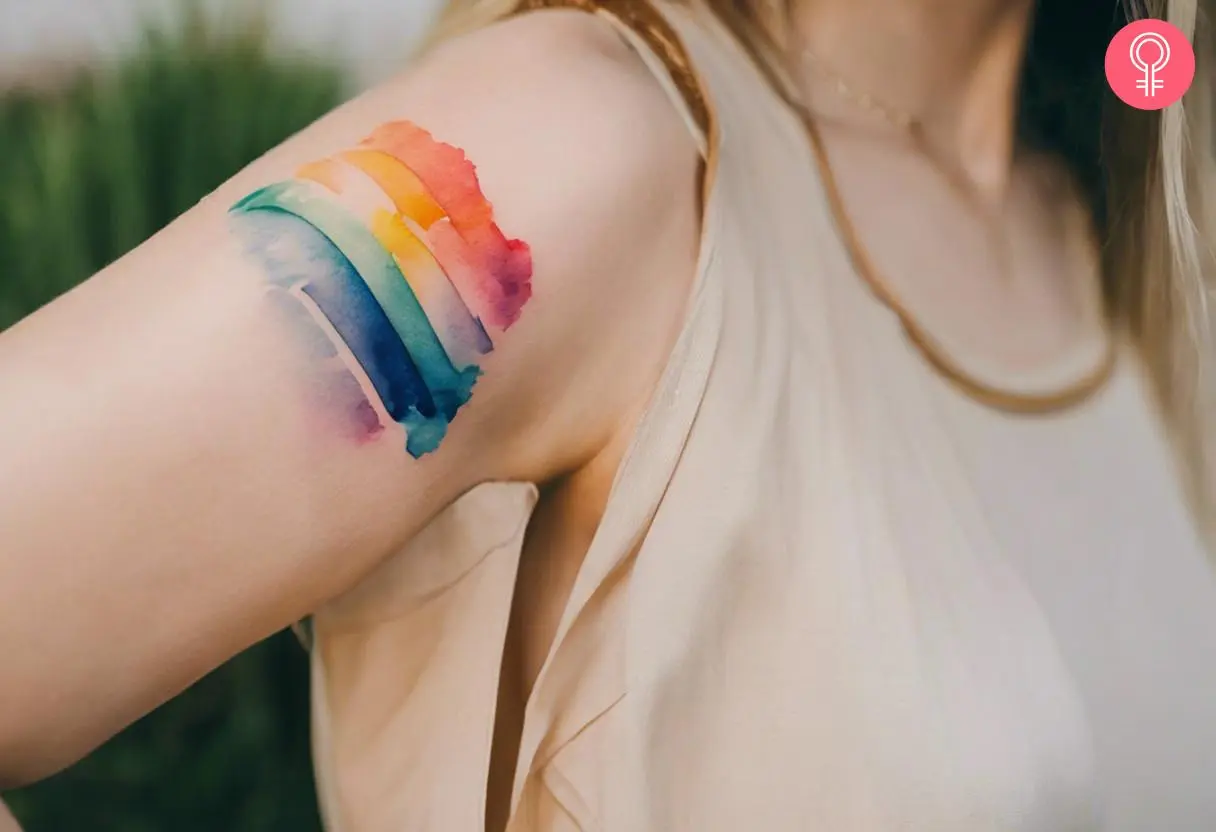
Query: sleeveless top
(828,591)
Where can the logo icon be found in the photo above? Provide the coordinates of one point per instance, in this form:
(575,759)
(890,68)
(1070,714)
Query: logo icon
(1150,83)
(1150,64)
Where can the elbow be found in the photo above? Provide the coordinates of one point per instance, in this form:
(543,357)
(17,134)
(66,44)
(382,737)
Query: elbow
(13,778)
(26,759)
(42,729)
(16,775)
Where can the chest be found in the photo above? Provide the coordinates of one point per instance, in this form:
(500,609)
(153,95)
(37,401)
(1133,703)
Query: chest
(1093,521)
(988,623)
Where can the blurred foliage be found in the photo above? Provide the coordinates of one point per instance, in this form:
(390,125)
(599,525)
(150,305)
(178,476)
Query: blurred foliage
(88,171)
(229,755)
(91,170)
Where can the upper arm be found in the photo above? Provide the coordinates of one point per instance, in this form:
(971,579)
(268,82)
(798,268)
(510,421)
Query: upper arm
(243,416)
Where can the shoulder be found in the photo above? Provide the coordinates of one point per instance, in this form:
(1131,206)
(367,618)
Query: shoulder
(585,159)
(570,53)
(572,135)
(551,94)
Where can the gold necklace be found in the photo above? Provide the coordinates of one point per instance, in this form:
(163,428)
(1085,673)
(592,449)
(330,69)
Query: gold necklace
(938,358)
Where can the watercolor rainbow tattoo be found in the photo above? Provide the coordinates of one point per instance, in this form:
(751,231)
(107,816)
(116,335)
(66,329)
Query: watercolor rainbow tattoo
(388,257)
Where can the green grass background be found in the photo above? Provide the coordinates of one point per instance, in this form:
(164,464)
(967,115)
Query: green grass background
(87,172)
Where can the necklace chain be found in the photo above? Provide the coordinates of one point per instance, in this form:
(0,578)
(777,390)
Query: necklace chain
(977,389)
(905,122)
(901,119)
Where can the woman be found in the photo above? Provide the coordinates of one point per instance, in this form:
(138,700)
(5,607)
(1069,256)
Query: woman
(752,440)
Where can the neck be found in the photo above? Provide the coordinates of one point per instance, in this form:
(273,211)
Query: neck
(951,65)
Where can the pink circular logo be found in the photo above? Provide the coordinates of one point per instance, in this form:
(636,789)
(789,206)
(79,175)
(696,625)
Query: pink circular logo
(1150,64)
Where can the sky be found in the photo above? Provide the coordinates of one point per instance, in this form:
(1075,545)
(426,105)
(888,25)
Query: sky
(369,36)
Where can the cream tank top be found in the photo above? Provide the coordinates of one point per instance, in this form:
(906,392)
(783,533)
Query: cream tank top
(828,592)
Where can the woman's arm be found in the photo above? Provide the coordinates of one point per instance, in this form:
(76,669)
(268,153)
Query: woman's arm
(8,823)
(205,441)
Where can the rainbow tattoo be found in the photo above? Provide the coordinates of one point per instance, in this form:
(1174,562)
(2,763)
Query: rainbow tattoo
(387,257)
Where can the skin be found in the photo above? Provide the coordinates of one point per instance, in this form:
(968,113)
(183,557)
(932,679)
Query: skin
(166,504)
(954,66)
(168,501)
(1012,221)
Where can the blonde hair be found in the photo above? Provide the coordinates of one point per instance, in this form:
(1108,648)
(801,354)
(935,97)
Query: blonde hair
(1158,215)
